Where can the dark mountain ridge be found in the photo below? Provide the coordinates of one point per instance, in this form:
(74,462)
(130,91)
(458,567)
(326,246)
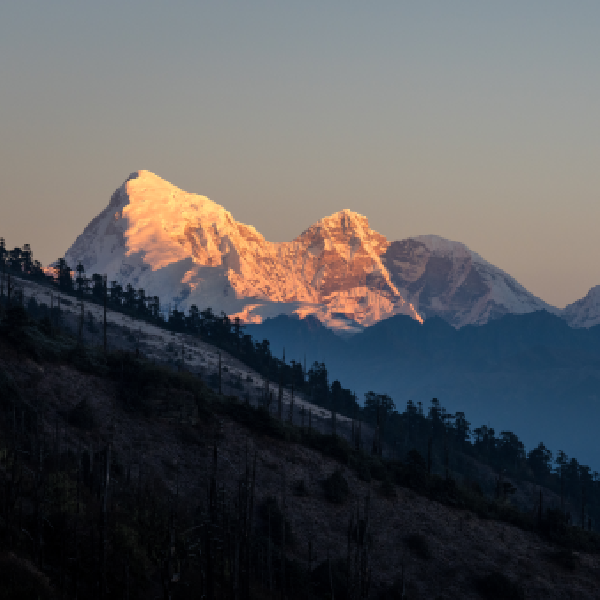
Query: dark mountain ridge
(494,342)
(530,373)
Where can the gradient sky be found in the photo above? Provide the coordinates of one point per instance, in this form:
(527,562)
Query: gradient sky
(476,121)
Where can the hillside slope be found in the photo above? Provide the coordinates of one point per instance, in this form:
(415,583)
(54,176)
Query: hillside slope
(166,448)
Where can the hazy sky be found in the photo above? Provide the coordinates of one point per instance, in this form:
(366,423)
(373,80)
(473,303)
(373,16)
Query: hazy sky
(476,121)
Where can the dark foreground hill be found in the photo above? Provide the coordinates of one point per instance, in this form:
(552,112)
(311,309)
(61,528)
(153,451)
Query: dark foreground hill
(531,374)
(123,479)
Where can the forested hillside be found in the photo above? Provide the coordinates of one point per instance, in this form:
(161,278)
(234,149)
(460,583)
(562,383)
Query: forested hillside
(122,474)
(531,374)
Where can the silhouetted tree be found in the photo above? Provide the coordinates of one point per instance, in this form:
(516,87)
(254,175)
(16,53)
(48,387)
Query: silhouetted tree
(539,461)
(63,275)
(80,280)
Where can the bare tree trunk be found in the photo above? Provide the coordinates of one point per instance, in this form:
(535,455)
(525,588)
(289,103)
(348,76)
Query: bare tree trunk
(280,401)
(76,532)
(103,524)
(308,585)
(105,290)
(269,561)
(80,329)
(562,491)
(220,376)
(283,512)
(446,456)
(330,576)
(39,500)
(127,577)
(266,393)
(429,457)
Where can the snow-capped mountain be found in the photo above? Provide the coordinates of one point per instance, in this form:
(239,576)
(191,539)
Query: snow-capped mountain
(188,250)
(446,279)
(584,312)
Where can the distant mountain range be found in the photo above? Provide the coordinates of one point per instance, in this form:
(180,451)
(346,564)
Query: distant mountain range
(530,373)
(187,250)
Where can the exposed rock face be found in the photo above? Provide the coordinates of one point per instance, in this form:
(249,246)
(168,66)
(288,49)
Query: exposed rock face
(584,312)
(189,250)
(446,279)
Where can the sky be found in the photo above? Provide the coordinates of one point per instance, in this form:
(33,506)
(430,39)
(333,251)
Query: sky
(476,121)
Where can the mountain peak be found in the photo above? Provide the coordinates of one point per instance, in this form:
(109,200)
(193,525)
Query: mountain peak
(346,218)
(341,225)
(156,192)
(584,312)
(442,246)
(347,230)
